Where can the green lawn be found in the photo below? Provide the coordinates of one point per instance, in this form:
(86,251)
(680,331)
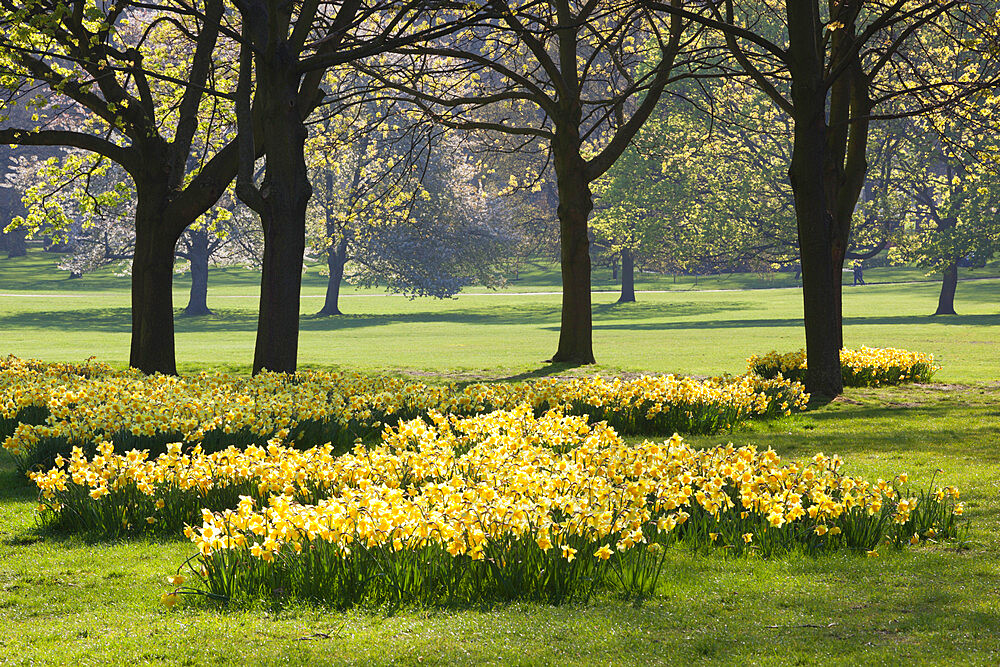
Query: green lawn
(38,273)
(496,334)
(64,600)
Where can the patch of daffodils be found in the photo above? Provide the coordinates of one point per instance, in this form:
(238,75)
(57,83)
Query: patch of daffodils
(89,404)
(508,505)
(864,367)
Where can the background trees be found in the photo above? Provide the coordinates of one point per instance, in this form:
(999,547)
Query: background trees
(578,78)
(443,136)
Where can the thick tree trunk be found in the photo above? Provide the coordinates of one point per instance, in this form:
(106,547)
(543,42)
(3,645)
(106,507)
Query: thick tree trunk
(837,280)
(17,244)
(285,192)
(152,289)
(281,282)
(628,277)
(946,300)
(575,204)
(814,216)
(336,258)
(820,272)
(198,256)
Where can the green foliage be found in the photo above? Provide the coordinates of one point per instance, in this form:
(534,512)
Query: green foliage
(691,195)
(948,164)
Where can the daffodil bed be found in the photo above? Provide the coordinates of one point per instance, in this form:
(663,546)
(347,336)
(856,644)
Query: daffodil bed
(492,507)
(47,409)
(864,367)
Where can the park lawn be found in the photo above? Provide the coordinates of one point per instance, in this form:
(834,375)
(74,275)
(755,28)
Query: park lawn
(38,272)
(691,333)
(500,334)
(63,600)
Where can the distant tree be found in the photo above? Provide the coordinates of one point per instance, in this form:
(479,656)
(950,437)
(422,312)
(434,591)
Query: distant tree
(572,77)
(87,204)
(692,196)
(364,165)
(704,188)
(400,202)
(949,168)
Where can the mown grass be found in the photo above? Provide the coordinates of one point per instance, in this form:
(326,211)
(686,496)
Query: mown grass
(504,334)
(63,600)
(38,272)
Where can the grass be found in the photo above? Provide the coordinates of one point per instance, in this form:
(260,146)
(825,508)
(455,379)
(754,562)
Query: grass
(493,335)
(37,272)
(64,600)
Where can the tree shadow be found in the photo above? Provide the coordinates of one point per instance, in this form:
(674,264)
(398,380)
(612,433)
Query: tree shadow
(118,320)
(889,320)
(16,487)
(948,431)
(607,317)
(548,370)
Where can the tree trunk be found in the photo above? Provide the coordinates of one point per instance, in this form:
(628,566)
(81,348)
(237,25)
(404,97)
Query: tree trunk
(575,204)
(820,273)
(17,244)
(336,258)
(614,269)
(820,287)
(628,277)
(946,301)
(152,348)
(198,256)
(285,192)
(813,211)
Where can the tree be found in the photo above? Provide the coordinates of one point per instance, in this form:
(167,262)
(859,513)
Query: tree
(285,50)
(830,68)
(110,92)
(363,164)
(86,204)
(570,76)
(955,195)
(691,195)
(948,166)
(696,194)
(401,202)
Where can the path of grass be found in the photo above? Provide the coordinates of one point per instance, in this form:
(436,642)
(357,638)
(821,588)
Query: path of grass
(65,601)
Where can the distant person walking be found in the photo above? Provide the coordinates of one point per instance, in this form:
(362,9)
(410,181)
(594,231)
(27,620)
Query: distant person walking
(859,278)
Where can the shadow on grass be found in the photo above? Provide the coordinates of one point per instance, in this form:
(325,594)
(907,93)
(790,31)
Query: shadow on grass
(547,370)
(15,487)
(118,320)
(610,317)
(889,320)
(943,430)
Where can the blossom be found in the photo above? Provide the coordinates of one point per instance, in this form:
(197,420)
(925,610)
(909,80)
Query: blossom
(603,552)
